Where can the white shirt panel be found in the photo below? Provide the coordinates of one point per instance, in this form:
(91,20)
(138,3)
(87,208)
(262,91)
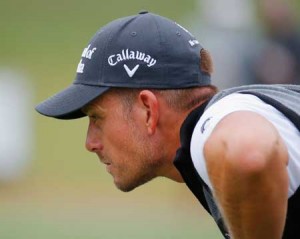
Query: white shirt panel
(238,102)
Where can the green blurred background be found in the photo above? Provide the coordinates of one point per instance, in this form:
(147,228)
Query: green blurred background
(65,193)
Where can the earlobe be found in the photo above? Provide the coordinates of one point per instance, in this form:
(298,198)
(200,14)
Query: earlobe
(150,106)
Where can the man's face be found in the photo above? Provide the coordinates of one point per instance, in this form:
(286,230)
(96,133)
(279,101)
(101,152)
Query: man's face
(121,142)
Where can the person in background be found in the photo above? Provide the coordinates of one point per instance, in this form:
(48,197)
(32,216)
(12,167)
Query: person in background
(278,60)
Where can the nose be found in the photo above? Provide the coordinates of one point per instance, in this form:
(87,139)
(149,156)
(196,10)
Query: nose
(93,142)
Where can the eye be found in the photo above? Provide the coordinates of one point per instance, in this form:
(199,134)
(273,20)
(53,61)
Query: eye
(95,118)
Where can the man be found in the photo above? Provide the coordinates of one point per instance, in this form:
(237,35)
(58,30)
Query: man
(144,83)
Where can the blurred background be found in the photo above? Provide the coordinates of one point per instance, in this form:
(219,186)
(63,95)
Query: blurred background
(50,187)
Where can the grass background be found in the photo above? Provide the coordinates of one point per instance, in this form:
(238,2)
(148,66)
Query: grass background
(65,193)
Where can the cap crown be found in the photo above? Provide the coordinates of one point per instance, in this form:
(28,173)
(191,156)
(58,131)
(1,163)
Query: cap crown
(141,51)
(145,50)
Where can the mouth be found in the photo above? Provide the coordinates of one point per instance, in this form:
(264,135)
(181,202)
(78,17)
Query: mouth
(105,162)
(108,167)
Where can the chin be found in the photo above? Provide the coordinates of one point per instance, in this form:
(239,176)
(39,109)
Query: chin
(125,188)
(129,186)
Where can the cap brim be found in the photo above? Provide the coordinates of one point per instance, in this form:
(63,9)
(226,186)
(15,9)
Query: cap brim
(68,103)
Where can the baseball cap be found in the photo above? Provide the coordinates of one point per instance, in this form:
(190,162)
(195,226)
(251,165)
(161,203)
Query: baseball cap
(141,51)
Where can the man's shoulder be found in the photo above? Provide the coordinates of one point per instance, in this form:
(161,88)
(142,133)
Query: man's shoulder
(279,92)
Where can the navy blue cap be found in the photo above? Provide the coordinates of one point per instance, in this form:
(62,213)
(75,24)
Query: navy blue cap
(141,51)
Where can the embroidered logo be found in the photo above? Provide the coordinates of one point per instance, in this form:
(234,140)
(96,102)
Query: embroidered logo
(126,55)
(131,72)
(87,53)
(194,42)
(205,124)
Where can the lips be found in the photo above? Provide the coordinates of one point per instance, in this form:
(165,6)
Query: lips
(103,159)
(105,162)
(108,168)
(108,164)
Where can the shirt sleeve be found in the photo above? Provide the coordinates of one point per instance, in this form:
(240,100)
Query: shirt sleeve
(246,102)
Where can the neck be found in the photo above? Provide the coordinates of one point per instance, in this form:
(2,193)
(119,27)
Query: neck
(172,132)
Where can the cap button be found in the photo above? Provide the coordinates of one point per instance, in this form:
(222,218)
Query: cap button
(143,12)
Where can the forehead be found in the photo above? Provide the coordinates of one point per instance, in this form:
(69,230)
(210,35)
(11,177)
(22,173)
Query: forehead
(102,103)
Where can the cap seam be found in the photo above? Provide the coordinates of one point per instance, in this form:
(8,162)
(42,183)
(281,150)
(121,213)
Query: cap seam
(111,36)
(105,53)
(160,46)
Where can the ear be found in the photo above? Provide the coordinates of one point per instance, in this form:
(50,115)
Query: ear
(149,102)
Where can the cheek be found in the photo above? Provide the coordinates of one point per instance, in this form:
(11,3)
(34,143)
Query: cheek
(123,140)
(118,139)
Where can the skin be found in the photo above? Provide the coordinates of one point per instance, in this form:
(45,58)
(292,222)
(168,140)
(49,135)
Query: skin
(243,151)
(137,148)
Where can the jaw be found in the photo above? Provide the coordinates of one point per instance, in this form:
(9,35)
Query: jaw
(129,186)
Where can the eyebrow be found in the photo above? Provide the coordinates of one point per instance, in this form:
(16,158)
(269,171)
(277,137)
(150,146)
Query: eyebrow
(94,108)
(85,109)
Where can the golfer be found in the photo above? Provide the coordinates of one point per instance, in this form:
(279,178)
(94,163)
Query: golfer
(144,82)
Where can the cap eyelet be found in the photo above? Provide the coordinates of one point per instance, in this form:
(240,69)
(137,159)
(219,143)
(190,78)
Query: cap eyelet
(143,12)
(133,34)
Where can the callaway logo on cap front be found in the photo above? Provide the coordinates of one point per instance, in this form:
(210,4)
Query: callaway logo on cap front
(126,55)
